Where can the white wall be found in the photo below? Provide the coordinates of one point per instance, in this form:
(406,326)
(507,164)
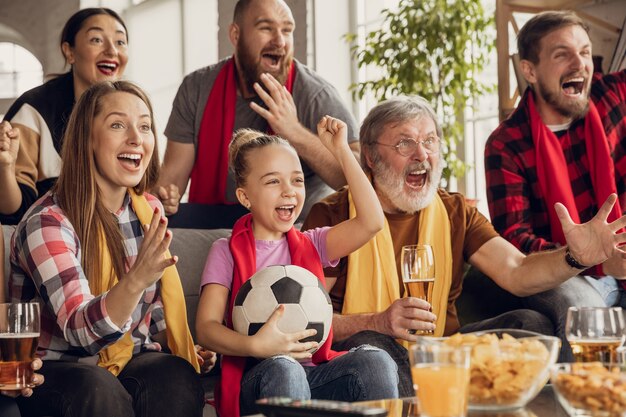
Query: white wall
(332,61)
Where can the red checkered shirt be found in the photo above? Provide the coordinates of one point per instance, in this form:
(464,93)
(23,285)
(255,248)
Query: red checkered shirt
(516,204)
(45,267)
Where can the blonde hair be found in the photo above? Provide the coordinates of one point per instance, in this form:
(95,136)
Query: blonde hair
(76,190)
(245,140)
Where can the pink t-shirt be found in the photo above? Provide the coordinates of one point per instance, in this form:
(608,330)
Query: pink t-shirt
(218,268)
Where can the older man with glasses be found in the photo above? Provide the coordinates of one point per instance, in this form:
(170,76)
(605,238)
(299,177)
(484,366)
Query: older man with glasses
(400,150)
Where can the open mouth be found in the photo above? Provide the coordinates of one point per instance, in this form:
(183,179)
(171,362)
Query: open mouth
(272,60)
(107,67)
(285,213)
(130,160)
(573,86)
(416,179)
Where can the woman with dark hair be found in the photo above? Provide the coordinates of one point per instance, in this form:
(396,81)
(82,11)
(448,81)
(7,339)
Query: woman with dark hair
(94,252)
(94,43)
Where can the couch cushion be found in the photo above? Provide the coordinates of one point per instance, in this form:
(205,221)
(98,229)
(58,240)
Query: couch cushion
(192,246)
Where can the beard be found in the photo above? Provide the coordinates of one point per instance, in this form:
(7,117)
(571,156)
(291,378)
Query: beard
(251,66)
(573,109)
(391,185)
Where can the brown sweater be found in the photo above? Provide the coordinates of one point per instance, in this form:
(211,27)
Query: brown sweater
(469,231)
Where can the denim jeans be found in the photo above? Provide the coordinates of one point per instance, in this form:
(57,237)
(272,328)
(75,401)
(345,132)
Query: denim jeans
(578,291)
(151,384)
(364,373)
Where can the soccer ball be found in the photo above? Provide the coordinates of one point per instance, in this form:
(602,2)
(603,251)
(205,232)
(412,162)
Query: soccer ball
(307,304)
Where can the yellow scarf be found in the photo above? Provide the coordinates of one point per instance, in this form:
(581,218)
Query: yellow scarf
(372,284)
(116,356)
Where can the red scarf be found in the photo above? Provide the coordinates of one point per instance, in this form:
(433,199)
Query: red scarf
(243,248)
(210,170)
(551,166)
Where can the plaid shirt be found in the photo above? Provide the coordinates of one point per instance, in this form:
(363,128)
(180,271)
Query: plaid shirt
(516,204)
(45,267)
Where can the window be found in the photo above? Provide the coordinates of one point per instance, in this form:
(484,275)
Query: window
(19,70)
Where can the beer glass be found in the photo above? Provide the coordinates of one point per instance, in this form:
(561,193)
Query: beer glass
(19,334)
(418,273)
(595,333)
(441,377)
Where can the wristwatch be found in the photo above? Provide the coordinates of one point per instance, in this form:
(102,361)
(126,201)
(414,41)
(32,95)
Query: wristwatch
(571,261)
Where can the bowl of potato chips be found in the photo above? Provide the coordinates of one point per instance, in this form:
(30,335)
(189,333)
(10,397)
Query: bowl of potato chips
(508,367)
(590,389)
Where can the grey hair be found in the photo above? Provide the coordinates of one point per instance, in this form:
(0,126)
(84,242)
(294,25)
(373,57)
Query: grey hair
(395,110)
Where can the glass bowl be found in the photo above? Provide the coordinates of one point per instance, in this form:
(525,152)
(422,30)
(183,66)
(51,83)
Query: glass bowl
(590,389)
(508,367)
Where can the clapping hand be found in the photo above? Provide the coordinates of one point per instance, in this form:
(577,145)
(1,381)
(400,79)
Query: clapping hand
(595,241)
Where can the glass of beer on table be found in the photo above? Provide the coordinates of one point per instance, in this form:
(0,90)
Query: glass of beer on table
(19,334)
(595,333)
(418,273)
(441,377)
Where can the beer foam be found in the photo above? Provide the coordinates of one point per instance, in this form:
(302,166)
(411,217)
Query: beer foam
(18,335)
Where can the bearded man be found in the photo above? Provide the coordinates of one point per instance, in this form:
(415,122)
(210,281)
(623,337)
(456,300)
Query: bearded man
(261,87)
(400,148)
(565,143)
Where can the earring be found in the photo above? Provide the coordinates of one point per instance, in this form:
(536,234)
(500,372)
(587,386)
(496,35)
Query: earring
(247,205)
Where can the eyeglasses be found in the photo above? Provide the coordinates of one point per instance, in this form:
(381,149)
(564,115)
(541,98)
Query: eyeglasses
(408,146)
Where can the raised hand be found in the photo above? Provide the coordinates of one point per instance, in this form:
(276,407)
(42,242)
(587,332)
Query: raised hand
(170,198)
(270,340)
(404,314)
(281,112)
(9,144)
(333,133)
(595,241)
(151,260)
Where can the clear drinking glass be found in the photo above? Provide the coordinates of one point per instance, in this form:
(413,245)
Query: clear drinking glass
(418,273)
(441,377)
(19,335)
(595,333)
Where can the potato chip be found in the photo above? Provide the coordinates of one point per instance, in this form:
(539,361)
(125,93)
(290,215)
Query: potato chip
(501,370)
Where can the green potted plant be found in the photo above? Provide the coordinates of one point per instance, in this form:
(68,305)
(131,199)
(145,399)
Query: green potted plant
(433,48)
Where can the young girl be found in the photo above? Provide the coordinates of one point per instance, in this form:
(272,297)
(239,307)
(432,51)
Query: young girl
(271,185)
(93,253)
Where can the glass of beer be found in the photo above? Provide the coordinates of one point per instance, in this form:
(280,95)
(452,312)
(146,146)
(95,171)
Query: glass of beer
(418,273)
(441,378)
(595,333)
(19,334)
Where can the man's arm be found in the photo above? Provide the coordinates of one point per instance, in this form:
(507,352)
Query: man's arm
(175,172)
(282,116)
(508,194)
(589,243)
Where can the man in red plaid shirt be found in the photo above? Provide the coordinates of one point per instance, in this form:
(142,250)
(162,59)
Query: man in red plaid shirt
(565,142)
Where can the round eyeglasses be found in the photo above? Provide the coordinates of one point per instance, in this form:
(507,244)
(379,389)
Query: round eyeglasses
(408,146)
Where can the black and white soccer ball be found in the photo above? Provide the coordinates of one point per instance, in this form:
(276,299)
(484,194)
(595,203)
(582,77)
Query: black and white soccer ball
(307,304)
